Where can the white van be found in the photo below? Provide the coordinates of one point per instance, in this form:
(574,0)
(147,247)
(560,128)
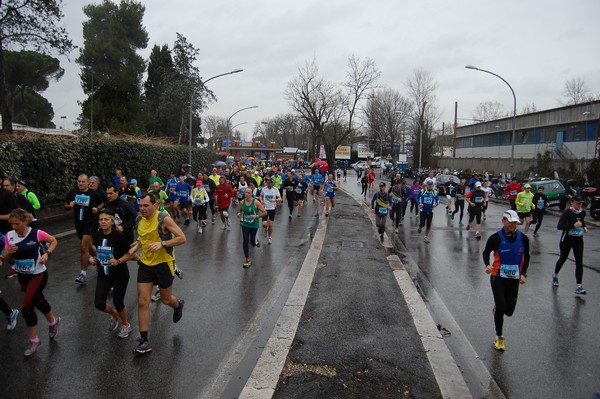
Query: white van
(376,162)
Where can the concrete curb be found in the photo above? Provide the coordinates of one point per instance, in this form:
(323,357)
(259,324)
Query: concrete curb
(263,381)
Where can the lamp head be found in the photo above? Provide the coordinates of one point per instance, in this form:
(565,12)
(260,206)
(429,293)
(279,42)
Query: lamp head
(469,66)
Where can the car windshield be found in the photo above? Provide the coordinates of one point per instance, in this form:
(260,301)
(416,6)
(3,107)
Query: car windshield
(551,187)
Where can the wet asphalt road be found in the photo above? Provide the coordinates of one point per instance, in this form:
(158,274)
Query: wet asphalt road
(552,339)
(228,317)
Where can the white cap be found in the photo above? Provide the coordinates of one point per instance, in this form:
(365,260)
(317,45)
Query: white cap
(478,184)
(511,216)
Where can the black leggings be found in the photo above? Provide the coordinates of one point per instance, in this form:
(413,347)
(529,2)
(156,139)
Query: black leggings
(459,204)
(364,189)
(4,307)
(380,223)
(413,203)
(474,213)
(425,219)
(538,217)
(290,201)
(199,212)
(505,293)
(33,285)
(103,285)
(565,247)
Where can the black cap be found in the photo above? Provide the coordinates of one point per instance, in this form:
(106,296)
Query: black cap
(382,184)
(396,181)
(577,198)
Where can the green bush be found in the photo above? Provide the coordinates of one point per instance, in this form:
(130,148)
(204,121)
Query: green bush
(50,165)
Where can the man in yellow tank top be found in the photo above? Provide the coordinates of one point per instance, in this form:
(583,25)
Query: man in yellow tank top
(156,266)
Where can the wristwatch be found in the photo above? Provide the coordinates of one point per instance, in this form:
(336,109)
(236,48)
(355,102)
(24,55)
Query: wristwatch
(163,243)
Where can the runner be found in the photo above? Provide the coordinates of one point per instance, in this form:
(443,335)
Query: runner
(364,183)
(525,205)
(171,189)
(29,196)
(459,203)
(251,210)
(184,191)
(317,179)
(85,203)
(161,195)
(199,200)
(507,270)
(399,196)
(512,189)
(155,178)
(380,204)
(112,248)
(223,196)
(270,198)
(239,188)
(289,186)
(450,186)
(23,245)
(330,188)
(416,189)
(156,265)
(540,200)
(427,199)
(209,185)
(488,195)
(573,227)
(123,215)
(338,173)
(301,189)
(371,177)
(476,198)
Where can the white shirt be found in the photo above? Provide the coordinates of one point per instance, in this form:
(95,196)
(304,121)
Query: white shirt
(269,196)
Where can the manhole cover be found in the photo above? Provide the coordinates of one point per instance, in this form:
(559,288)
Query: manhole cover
(353,244)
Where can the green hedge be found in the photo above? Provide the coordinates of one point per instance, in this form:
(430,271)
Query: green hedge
(51,165)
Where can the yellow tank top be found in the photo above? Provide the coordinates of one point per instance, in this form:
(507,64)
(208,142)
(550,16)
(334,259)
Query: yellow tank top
(147,234)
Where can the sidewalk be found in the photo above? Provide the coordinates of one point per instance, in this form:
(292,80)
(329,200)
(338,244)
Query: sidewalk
(364,330)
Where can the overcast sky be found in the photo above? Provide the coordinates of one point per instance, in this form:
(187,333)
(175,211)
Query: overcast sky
(535,45)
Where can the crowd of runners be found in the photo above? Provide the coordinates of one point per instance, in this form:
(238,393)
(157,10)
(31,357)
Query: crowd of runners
(120,222)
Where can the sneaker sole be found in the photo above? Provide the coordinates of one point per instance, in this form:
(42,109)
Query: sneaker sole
(136,352)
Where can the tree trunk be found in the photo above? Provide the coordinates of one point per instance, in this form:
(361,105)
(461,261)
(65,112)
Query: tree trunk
(4,108)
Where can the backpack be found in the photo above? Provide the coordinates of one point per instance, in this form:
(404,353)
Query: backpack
(163,236)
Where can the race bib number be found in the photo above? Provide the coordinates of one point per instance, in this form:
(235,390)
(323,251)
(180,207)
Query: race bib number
(428,200)
(269,197)
(540,204)
(383,210)
(509,271)
(289,188)
(299,190)
(26,266)
(183,194)
(460,198)
(513,192)
(394,200)
(104,256)
(478,200)
(172,190)
(329,189)
(82,199)
(248,219)
(576,232)
(198,202)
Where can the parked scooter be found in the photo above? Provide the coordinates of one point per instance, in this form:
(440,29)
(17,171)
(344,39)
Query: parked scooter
(498,188)
(595,207)
(586,192)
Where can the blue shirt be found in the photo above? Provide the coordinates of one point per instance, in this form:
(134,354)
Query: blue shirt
(428,199)
(183,191)
(317,179)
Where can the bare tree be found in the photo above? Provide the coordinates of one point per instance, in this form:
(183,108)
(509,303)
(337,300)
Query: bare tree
(215,128)
(575,91)
(388,114)
(528,109)
(421,90)
(489,111)
(320,102)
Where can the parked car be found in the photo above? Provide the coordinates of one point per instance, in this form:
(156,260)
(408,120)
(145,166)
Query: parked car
(442,179)
(554,190)
(360,165)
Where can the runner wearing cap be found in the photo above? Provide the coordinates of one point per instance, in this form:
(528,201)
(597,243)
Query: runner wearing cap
(317,179)
(507,270)
(428,199)
(540,201)
(476,199)
(270,197)
(573,227)
(511,190)
(381,203)
(524,203)
(330,187)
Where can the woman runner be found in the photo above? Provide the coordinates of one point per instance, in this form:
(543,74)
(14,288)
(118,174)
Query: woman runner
(250,213)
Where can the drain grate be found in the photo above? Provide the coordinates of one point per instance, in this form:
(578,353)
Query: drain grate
(353,244)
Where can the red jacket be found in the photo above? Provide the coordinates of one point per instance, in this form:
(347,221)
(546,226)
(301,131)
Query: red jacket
(512,189)
(223,195)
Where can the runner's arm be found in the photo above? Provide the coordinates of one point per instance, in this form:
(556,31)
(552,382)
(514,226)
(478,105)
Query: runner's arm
(173,228)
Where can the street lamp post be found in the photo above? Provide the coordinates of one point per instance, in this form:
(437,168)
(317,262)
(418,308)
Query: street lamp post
(63,121)
(512,139)
(422,128)
(232,115)
(191,108)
